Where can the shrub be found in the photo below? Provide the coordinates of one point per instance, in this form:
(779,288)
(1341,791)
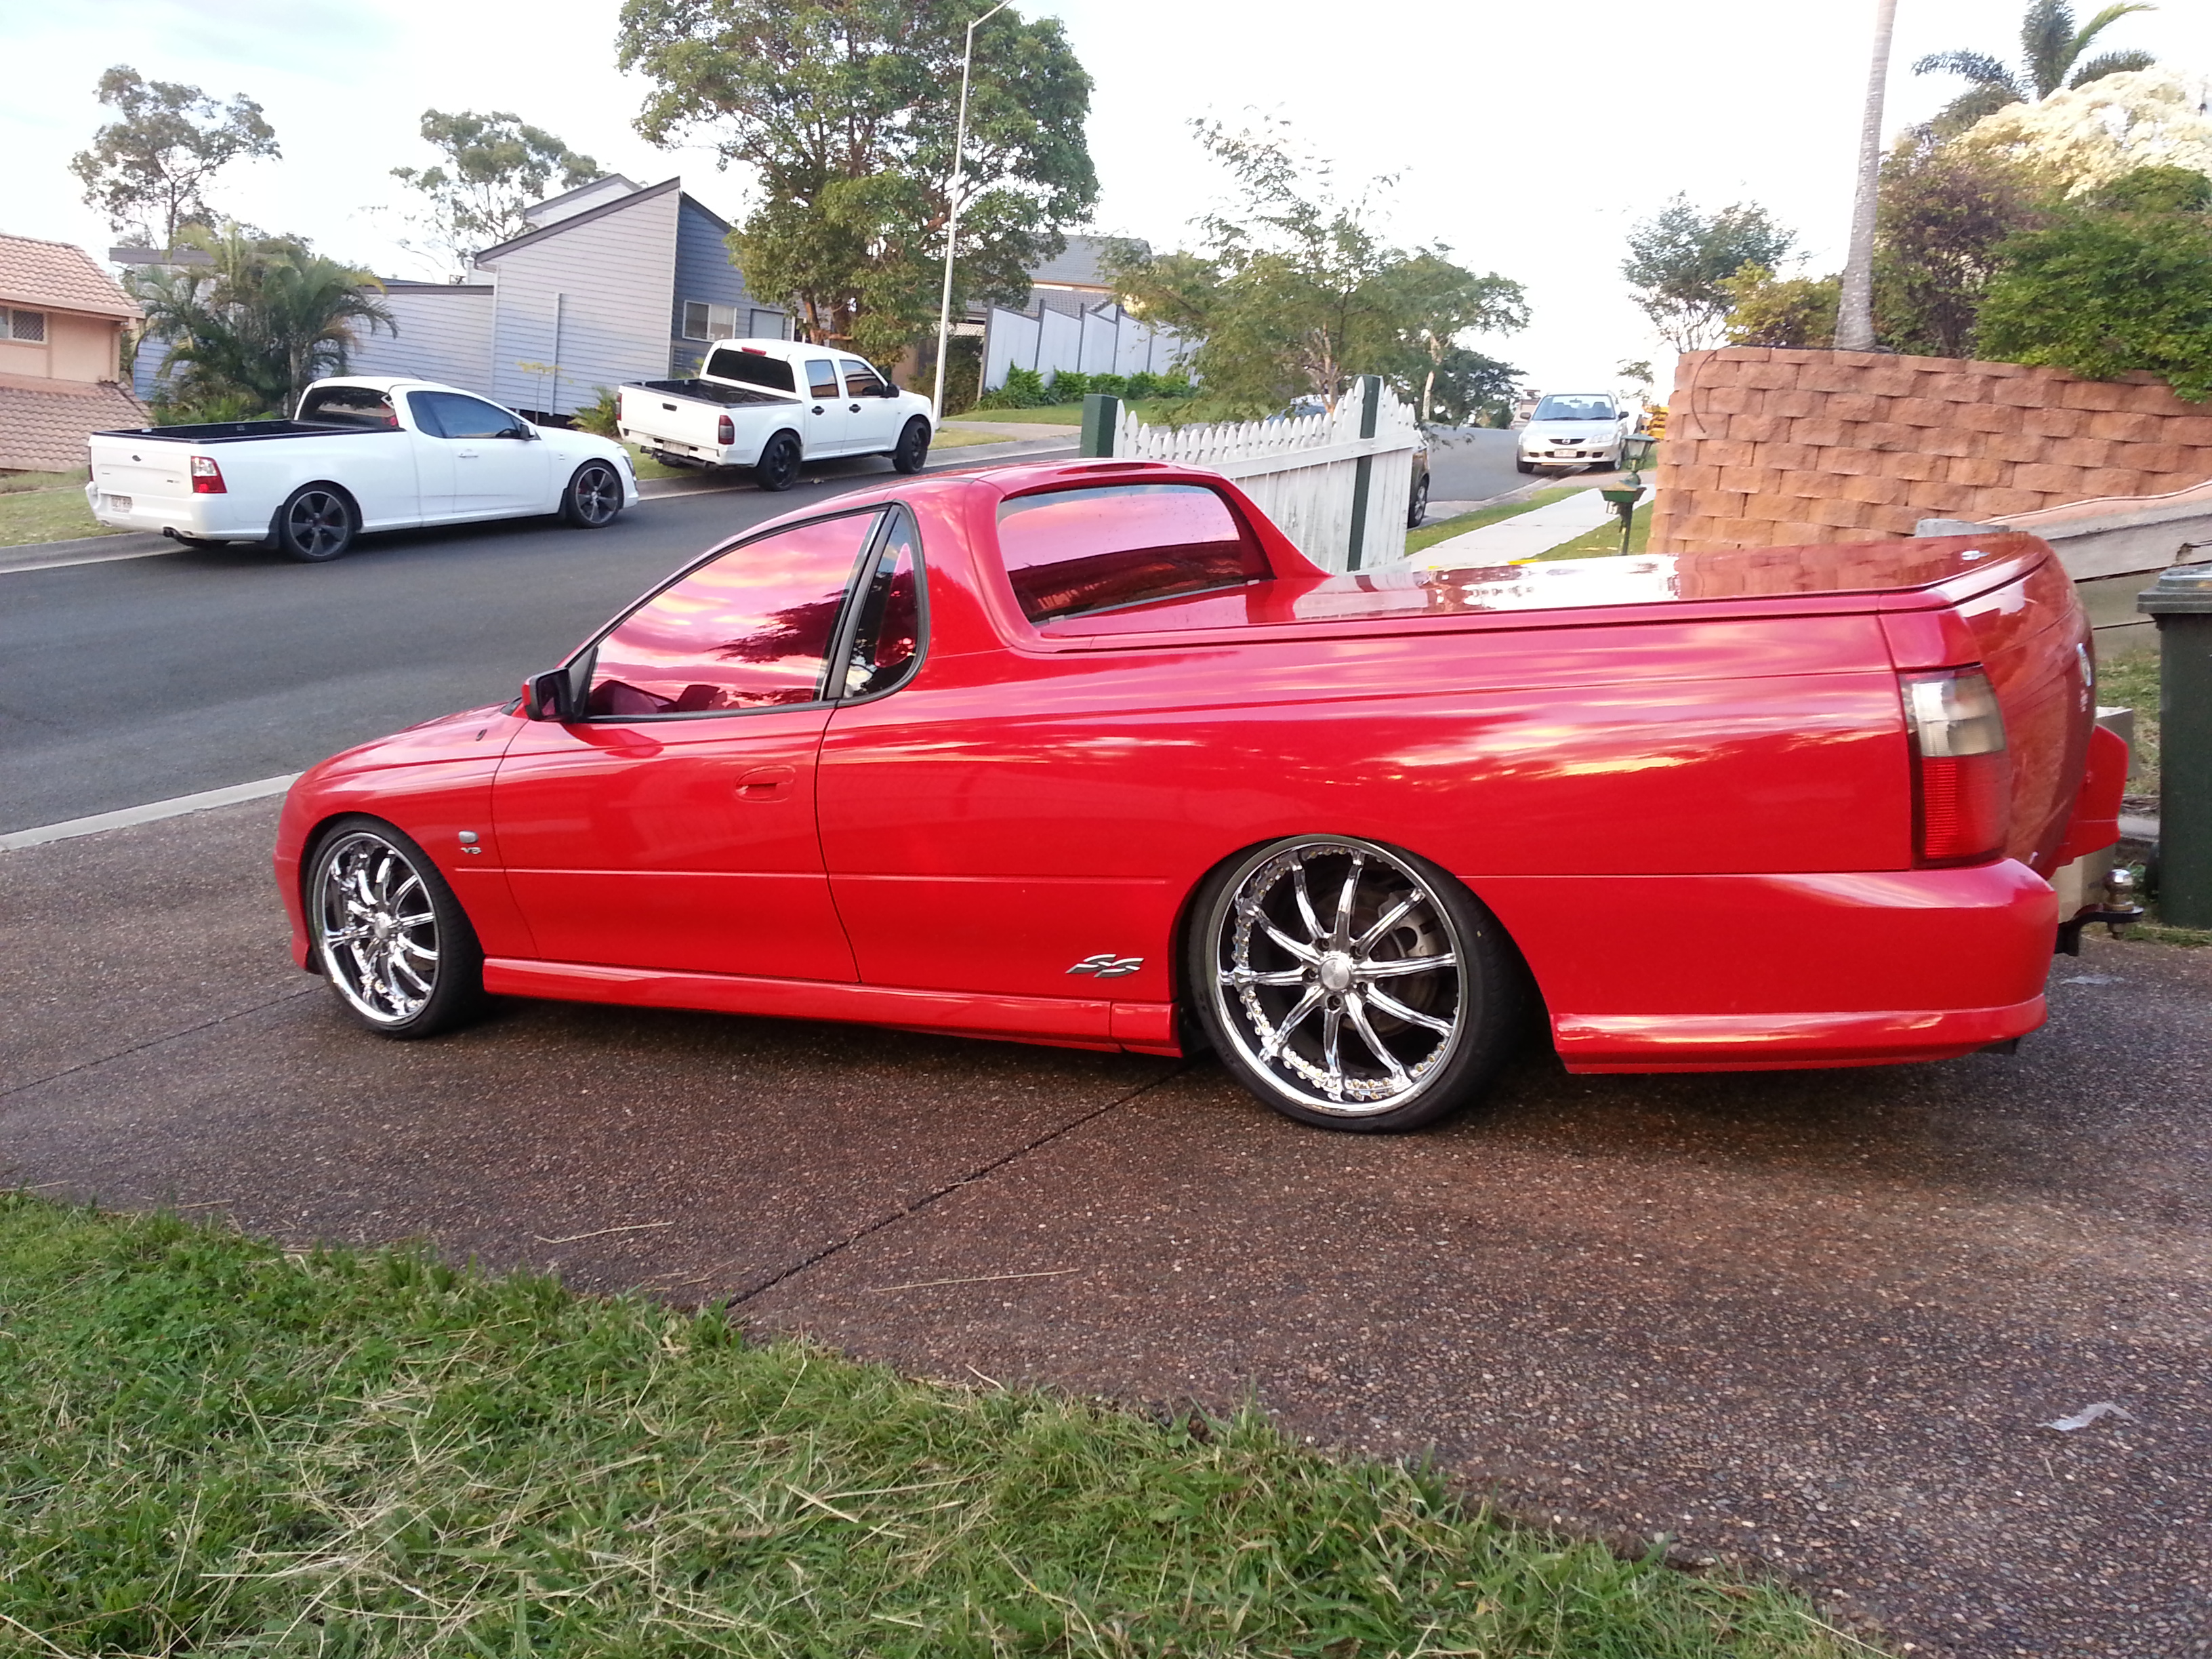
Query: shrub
(598,416)
(1769,311)
(1025,389)
(2099,294)
(1068,388)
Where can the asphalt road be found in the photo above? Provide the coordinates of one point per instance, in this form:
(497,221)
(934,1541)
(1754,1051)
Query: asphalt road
(1814,1322)
(142,679)
(1472,463)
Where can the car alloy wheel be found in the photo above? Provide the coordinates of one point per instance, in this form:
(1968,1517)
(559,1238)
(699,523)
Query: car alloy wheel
(315,524)
(1352,985)
(595,495)
(913,452)
(778,467)
(1417,508)
(388,933)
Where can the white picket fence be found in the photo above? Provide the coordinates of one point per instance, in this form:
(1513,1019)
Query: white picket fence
(1304,472)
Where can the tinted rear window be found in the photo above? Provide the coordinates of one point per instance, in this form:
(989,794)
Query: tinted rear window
(772,373)
(1077,550)
(348,405)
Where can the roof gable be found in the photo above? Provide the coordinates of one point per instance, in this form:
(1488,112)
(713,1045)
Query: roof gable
(590,215)
(58,277)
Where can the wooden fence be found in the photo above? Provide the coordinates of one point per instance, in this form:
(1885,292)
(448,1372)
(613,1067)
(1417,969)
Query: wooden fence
(1338,484)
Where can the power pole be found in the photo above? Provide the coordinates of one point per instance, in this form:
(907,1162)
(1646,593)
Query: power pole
(1855,316)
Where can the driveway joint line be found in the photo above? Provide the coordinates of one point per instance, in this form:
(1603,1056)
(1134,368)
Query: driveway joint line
(156,1042)
(952,1187)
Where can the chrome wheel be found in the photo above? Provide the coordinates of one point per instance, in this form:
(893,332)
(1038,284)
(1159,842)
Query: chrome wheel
(318,524)
(1339,977)
(595,495)
(375,928)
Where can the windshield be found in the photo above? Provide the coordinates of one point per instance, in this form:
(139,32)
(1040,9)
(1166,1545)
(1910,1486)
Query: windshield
(1570,406)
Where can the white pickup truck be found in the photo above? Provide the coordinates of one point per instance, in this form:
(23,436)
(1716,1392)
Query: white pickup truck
(772,405)
(363,453)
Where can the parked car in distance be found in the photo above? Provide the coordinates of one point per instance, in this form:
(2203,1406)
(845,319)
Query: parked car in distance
(774,405)
(362,452)
(1088,753)
(1572,431)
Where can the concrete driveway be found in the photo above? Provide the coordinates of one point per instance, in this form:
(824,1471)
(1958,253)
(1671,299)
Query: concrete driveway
(1814,1321)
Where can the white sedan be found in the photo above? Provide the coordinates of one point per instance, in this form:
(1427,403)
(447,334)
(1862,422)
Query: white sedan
(1575,429)
(362,453)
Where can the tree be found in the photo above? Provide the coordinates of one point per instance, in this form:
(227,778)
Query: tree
(2101,291)
(1853,329)
(1466,388)
(2052,51)
(496,166)
(1679,257)
(1945,214)
(1764,310)
(148,170)
(1295,292)
(2086,136)
(255,326)
(845,110)
(1442,301)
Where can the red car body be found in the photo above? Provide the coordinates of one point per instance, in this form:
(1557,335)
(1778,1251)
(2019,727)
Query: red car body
(1686,786)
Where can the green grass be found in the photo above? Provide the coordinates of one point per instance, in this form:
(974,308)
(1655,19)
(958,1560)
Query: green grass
(1443,530)
(1157,412)
(2133,683)
(210,1445)
(1604,542)
(51,510)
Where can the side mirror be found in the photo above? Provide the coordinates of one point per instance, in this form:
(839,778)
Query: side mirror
(551,696)
(527,434)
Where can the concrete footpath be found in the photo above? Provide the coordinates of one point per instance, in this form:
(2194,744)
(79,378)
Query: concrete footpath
(1819,1322)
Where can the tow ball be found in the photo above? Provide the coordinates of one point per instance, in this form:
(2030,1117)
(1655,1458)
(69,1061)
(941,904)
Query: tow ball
(2118,909)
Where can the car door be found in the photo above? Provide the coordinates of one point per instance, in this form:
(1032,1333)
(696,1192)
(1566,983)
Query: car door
(872,406)
(672,825)
(828,422)
(500,467)
(434,458)
(1022,824)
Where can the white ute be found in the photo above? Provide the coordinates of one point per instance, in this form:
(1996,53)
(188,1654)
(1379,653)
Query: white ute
(366,453)
(772,405)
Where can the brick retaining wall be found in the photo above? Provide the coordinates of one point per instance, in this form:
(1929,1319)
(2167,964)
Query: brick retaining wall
(1769,447)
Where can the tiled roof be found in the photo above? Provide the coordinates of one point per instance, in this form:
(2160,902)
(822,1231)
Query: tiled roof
(44,423)
(58,275)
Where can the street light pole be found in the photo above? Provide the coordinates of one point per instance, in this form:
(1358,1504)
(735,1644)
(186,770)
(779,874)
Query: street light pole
(952,215)
(1855,314)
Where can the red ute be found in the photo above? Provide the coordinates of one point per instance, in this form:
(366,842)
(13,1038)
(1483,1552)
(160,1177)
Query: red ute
(1088,753)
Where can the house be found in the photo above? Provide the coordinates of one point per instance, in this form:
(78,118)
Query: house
(612,281)
(62,319)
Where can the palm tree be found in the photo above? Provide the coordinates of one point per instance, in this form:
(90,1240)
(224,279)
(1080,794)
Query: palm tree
(254,327)
(2052,51)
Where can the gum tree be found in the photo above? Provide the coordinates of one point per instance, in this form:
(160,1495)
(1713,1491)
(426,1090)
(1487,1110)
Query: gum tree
(494,166)
(148,169)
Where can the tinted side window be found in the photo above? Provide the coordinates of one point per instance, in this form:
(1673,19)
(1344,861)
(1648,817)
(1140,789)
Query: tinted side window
(822,376)
(771,371)
(1075,550)
(887,634)
(752,629)
(423,406)
(861,381)
(463,418)
(349,405)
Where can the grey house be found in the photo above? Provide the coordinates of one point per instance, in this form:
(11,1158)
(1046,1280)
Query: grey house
(613,281)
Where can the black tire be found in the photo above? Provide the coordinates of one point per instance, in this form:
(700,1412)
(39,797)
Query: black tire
(382,880)
(778,466)
(1524,466)
(594,498)
(1417,508)
(1270,1012)
(912,452)
(316,524)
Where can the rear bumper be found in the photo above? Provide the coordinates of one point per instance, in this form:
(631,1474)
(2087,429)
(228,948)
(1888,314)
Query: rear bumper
(1746,973)
(211,516)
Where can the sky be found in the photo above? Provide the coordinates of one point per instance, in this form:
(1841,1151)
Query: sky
(1529,139)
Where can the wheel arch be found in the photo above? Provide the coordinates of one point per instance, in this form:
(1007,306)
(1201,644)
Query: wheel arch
(352,502)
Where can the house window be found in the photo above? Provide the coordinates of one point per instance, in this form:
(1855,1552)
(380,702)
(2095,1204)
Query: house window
(27,325)
(702,321)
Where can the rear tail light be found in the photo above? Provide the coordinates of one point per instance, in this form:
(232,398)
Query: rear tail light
(725,431)
(1962,776)
(207,477)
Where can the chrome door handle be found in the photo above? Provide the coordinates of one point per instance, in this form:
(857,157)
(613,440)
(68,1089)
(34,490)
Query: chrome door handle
(465,454)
